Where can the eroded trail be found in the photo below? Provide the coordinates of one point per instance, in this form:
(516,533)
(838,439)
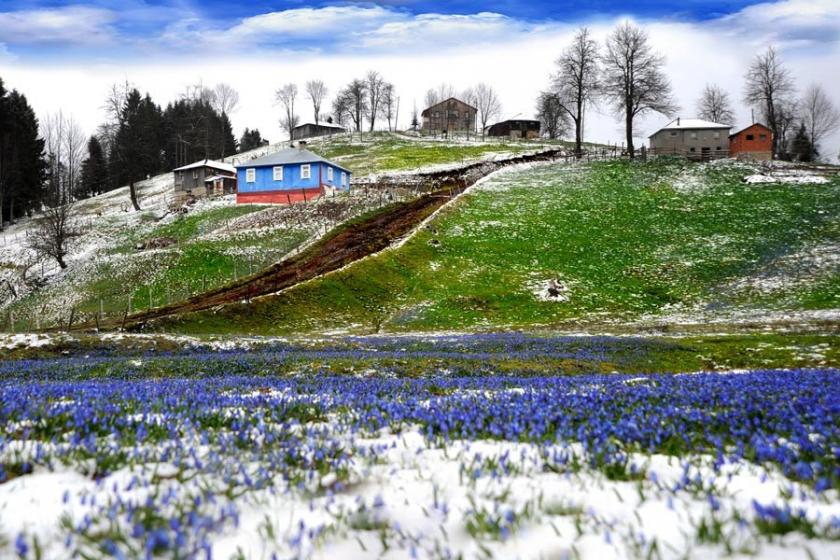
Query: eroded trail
(342,246)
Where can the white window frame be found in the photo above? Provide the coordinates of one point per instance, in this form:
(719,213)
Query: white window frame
(275,170)
(329,174)
(195,173)
(343,179)
(306,171)
(717,135)
(251,175)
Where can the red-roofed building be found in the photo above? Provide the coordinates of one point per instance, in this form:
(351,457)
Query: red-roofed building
(754,142)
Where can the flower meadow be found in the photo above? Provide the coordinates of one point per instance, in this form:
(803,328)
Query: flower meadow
(230,455)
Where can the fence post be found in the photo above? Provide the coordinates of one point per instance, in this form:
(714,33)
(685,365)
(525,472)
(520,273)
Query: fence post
(101,309)
(150,296)
(11,321)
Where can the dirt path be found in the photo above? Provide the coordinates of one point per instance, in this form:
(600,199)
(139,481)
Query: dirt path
(340,247)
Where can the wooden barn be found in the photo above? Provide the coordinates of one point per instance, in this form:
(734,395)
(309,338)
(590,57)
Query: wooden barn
(754,142)
(205,178)
(521,128)
(288,176)
(450,116)
(311,130)
(691,138)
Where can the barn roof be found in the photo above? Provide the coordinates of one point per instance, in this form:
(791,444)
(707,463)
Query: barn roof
(691,124)
(321,125)
(289,156)
(767,128)
(208,163)
(447,100)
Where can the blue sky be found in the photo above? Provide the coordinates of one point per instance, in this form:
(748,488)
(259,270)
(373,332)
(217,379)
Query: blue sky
(164,46)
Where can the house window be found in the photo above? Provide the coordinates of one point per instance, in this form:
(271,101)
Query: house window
(305,171)
(692,149)
(278,173)
(750,137)
(250,175)
(674,133)
(717,135)
(343,179)
(694,135)
(763,136)
(195,173)
(329,174)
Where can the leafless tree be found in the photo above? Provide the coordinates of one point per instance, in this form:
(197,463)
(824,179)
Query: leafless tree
(441,93)
(633,80)
(819,115)
(787,115)
(769,84)
(552,114)
(198,92)
(353,102)
(375,88)
(577,81)
(225,98)
(488,104)
(55,229)
(714,105)
(390,105)
(286,96)
(316,90)
(113,107)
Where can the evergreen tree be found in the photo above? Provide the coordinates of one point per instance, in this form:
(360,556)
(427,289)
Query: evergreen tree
(251,140)
(94,170)
(22,165)
(229,144)
(801,146)
(137,151)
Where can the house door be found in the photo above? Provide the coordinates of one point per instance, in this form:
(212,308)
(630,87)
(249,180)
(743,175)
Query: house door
(705,153)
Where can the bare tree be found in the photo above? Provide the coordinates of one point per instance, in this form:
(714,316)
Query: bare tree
(375,88)
(787,115)
(316,90)
(714,105)
(488,104)
(633,78)
(353,102)
(552,115)
(286,96)
(225,98)
(390,105)
(819,115)
(441,93)
(769,84)
(577,82)
(55,229)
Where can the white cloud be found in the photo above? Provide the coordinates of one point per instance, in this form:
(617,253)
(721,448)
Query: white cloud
(78,25)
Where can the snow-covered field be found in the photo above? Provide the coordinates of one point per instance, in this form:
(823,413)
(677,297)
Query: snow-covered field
(376,466)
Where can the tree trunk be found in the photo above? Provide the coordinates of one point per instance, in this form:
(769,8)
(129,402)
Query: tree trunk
(133,194)
(61,262)
(629,124)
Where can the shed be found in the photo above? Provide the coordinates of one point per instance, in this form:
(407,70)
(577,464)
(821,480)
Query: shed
(195,179)
(691,138)
(311,130)
(754,142)
(521,128)
(288,176)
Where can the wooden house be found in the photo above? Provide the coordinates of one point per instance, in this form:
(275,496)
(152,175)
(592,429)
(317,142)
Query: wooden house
(691,138)
(288,176)
(205,178)
(311,130)
(521,128)
(448,117)
(754,142)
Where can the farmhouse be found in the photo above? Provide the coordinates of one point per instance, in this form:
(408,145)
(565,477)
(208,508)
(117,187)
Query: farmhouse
(288,176)
(522,128)
(310,130)
(448,117)
(691,138)
(204,178)
(754,142)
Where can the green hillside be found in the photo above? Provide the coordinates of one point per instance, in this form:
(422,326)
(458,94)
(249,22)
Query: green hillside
(605,244)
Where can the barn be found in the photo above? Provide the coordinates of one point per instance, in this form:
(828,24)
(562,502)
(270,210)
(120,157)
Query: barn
(754,142)
(691,138)
(448,117)
(204,178)
(288,176)
(521,128)
(311,130)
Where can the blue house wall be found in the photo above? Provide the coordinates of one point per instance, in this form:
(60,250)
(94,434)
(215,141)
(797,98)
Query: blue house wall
(264,178)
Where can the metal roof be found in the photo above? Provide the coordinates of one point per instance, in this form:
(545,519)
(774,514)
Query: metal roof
(692,124)
(289,156)
(208,163)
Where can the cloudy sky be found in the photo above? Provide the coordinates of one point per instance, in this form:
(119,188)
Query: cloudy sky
(63,55)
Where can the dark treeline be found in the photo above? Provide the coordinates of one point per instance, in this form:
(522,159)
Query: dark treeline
(22,163)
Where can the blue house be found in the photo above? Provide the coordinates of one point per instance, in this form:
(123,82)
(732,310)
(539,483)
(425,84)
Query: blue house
(287,176)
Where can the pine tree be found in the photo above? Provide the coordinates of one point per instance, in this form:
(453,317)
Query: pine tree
(251,139)
(801,145)
(137,150)
(94,170)
(228,139)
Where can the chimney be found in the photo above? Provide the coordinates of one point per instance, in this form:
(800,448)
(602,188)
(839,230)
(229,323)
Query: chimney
(301,144)
(678,121)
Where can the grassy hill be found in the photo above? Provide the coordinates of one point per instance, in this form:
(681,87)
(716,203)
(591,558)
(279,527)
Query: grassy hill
(210,243)
(604,245)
